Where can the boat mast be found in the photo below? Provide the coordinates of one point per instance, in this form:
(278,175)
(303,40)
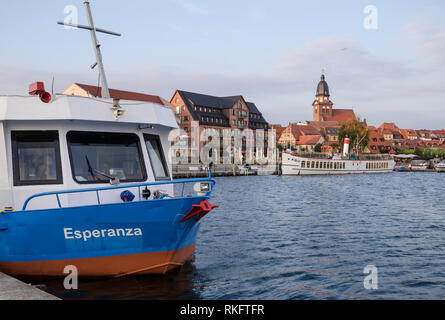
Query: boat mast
(96,46)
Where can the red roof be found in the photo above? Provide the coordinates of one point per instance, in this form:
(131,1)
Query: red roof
(342,115)
(303,130)
(389,126)
(408,133)
(124,95)
(278,128)
(309,140)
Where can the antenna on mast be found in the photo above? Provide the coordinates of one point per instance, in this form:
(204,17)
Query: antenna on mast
(96,45)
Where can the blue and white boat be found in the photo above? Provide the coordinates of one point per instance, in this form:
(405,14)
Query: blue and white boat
(86,182)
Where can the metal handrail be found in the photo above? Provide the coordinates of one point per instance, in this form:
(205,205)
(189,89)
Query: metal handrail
(138,185)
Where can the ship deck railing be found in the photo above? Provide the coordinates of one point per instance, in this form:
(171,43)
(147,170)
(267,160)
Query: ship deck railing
(180,183)
(348,157)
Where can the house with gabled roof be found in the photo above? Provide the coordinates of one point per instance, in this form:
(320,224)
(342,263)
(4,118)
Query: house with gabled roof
(85,90)
(219,113)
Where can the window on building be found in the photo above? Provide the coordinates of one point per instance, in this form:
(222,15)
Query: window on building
(36,158)
(98,157)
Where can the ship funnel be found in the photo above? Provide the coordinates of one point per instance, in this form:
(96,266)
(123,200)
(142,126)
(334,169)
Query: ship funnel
(38,89)
(346,147)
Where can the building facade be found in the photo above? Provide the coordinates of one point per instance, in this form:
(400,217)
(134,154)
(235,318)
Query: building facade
(218,113)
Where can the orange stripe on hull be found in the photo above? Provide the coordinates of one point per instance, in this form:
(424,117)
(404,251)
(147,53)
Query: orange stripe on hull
(115,266)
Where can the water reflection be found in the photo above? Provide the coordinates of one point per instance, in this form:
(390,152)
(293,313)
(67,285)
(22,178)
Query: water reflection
(177,285)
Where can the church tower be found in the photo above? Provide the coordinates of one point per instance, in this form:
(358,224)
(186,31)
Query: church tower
(322,104)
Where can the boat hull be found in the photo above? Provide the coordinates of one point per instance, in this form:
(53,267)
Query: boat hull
(113,266)
(300,166)
(100,241)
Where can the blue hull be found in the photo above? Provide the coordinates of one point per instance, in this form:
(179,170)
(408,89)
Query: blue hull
(53,238)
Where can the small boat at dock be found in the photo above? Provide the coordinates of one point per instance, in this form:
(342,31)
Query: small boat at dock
(420,166)
(440,167)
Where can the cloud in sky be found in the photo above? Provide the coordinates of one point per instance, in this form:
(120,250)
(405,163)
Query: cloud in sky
(192,7)
(428,36)
(406,90)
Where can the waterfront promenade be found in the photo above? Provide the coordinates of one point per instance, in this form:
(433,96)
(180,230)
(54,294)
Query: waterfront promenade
(220,170)
(13,289)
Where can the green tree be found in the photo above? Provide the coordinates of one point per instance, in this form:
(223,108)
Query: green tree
(357,133)
(407,151)
(418,152)
(317,148)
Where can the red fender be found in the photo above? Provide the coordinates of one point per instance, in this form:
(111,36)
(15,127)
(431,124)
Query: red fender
(202,209)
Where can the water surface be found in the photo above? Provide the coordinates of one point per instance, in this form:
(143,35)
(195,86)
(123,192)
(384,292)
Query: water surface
(306,238)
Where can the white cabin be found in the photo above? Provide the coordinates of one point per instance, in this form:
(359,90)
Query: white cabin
(74,142)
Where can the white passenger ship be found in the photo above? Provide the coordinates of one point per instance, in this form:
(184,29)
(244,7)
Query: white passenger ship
(323,164)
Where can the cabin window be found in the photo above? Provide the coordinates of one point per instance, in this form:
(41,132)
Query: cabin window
(98,157)
(36,158)
(157,159)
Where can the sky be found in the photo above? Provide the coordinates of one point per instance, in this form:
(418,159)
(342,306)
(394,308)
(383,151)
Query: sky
(271,52)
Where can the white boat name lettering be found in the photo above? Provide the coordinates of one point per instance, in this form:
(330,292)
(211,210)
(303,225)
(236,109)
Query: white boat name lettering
(71,234)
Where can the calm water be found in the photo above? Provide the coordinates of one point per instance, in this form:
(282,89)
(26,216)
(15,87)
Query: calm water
(307,238)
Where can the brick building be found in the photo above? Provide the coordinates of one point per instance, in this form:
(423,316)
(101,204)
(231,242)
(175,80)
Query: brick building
(323,107)
(294,132)
(219,113)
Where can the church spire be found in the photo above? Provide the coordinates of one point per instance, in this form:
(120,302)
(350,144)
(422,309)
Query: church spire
(322,105)
(323,88)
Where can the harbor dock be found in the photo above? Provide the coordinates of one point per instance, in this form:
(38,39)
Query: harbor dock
(182,171)
(13,289)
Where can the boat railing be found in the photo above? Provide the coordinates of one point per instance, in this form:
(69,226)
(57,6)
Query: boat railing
(139,186)
(351,156)
(313,155)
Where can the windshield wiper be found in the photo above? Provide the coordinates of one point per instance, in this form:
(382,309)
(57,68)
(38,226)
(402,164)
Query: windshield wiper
(92,171)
